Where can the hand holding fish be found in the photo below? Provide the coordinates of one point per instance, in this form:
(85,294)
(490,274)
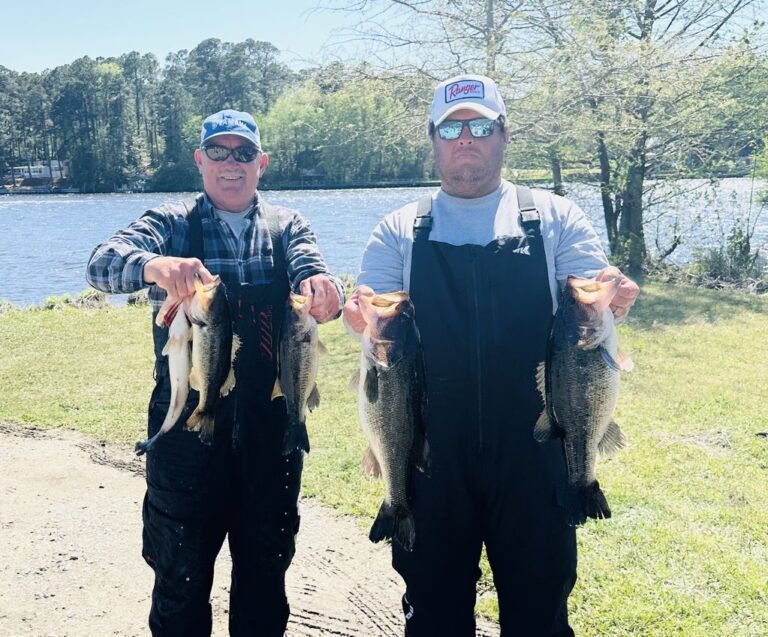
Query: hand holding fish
(353,317)
(176,275)
(324,295)
(625,296)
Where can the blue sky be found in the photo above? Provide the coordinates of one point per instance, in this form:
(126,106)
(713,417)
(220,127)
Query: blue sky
(48,33)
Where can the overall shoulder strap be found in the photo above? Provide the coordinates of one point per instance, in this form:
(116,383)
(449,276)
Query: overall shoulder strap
(195,222)
(272,218)
(422,225)
(530,219)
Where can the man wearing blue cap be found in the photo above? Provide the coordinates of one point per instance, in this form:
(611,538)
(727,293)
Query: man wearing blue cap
(482,260)
(242,485)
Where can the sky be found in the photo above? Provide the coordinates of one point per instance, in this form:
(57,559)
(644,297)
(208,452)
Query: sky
(48,33)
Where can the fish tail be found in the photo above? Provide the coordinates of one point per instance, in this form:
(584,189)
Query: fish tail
(295,437)
(202,422)
(394,522)
(595,504)
(142,447)
(588,501)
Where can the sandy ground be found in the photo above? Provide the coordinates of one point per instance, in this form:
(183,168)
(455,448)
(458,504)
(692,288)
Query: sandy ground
(70,542)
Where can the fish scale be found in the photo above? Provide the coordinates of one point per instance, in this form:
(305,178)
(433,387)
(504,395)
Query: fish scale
(580,387)
(299,360)
(389,404)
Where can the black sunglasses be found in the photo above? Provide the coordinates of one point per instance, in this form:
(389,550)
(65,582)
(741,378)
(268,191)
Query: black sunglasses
(242,154)
(452,128)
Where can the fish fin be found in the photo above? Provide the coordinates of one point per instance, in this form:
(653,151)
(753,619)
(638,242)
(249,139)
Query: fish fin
(194,379)
(613,440)
(544,429)
(314,398)
(586,501)
(229,384)
(236,343)
(384,525)
(142,447)
(371,385)
(167,347)
(277,390)
(626,364)
(405,531)
(371,466)
(594,502)
(394,522)
(609,360)
(167,311)
(195,420)
(321,347)
(354,382)
(295,437)
(541,380)
(202,423)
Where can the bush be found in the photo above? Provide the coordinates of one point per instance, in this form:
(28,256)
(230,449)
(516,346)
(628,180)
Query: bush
(91,299)
(139,298)
(733,265)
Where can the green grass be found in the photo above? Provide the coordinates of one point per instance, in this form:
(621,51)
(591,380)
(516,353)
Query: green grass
(686,552)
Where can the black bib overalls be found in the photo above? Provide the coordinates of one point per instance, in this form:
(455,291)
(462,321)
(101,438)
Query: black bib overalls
(241,485)
(484,315)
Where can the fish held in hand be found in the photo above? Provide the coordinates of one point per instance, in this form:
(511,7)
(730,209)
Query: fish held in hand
(214,348)
(176,349)
(579,382)
(298,362)
(390,409)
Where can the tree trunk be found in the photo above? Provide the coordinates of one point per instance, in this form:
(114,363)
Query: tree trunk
(490,40)
(610,213)
(632,213)
(557,174)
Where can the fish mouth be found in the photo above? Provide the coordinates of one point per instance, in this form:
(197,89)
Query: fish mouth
(206,291)
(298,302)
(388,304)
(593,292)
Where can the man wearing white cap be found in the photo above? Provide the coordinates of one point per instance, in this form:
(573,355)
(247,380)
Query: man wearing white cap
(244,485)
(482,260)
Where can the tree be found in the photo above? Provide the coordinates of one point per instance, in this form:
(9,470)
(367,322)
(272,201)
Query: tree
(629,83)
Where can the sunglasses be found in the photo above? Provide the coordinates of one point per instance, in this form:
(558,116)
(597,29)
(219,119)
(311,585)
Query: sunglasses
(242,154)
(452,128)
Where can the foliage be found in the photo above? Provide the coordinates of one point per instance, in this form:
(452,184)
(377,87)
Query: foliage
(356,134)
(734,264)
(626,91)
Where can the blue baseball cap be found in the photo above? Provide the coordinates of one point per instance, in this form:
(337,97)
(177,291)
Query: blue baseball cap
(229,122)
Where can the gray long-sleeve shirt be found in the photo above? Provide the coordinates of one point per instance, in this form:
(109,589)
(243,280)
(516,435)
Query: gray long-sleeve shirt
(571,244)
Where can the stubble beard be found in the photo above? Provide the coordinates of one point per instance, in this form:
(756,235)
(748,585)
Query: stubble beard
(471,180)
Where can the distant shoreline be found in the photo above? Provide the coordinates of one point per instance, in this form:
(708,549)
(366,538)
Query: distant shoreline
(400,183)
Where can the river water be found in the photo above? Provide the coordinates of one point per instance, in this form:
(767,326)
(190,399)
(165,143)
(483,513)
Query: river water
(46,240)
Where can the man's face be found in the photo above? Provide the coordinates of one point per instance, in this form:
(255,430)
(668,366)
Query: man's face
(229,183)
(470,166)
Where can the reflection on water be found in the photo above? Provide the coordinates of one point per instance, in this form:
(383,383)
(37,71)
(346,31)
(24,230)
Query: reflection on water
(45,240)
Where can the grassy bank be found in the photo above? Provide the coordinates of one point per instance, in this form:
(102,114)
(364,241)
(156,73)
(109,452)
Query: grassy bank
(687,550)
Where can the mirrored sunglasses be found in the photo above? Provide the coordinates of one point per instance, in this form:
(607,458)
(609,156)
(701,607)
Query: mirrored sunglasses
(451,128)
(242,154)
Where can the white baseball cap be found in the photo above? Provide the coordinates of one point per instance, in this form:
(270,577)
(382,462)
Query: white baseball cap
(476,92)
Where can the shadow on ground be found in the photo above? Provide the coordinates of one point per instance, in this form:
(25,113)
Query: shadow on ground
(665,304)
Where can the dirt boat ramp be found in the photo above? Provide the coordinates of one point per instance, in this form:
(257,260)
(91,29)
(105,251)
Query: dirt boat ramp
(70,531)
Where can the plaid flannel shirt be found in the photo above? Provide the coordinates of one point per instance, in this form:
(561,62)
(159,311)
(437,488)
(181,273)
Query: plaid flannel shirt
(117,265)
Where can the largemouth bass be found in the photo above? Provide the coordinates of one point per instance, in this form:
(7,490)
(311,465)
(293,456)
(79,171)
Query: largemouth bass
(580,385)
(389,401)
(298,361)
(176,349)
(214,348)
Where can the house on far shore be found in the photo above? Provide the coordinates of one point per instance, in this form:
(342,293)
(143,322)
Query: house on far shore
(50,172)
